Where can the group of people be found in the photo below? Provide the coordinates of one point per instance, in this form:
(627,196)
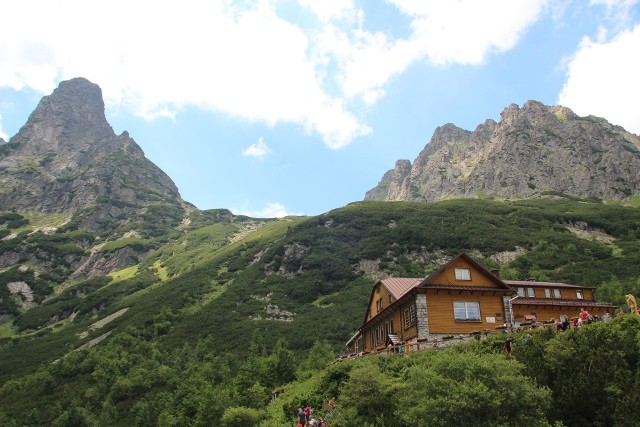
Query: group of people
(306,417)
(564,323)
(583,318)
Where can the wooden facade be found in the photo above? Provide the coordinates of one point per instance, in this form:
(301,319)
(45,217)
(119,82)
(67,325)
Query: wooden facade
(441,314)
(462,297)
(546,301)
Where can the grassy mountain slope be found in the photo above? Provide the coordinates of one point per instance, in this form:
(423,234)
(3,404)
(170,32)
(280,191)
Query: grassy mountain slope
(233,286)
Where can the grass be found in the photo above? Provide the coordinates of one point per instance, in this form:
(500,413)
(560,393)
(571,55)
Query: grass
(6,329)
(320,302)
(161,271)
(41,220)
(126,273)
(633,201)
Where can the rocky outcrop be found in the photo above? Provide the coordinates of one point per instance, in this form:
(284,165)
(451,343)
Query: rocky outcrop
(534,151)
(67,158)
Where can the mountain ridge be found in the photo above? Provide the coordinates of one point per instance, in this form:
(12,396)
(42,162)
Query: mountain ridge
(97,188)
(141,309)
(63,159)
(534,151)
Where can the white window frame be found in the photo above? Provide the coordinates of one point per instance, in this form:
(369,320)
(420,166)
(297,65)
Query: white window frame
(579,294)
(547,293)
(531,293)
(471,310)
(463,273)
(521,292)
(556,293)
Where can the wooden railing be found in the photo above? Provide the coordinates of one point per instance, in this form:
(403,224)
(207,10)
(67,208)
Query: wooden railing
(422,344)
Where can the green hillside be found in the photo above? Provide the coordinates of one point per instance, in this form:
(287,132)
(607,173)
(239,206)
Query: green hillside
(223,309)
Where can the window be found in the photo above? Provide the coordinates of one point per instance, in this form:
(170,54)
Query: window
(409,316)
(531,293)
(379,305)
(521,292)
(556,293)
(579,294)
(463,274)
(547,293)
(466,310)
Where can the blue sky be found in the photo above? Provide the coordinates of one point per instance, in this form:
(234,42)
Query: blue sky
(279,107)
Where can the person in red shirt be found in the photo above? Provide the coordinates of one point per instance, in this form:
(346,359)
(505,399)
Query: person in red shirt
(584,315)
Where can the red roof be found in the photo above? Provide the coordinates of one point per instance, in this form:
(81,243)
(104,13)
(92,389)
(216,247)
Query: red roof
(398,286)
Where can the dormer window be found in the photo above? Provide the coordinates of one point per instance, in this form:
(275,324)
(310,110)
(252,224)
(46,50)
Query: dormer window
(463,274)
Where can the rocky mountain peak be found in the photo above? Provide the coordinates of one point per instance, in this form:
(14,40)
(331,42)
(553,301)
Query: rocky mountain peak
(67,158)
(534,151)
(72,115)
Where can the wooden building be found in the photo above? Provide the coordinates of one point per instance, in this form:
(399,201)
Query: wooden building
(547,300)
(462,297)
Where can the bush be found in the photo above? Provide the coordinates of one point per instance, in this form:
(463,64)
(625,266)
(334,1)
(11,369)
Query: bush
(240,416)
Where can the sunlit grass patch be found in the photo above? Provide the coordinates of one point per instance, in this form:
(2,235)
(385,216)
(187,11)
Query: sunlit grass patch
(124,274)
(161,271)
(6,330)
(633,201)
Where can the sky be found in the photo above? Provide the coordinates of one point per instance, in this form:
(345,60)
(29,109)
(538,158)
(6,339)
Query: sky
(297,107)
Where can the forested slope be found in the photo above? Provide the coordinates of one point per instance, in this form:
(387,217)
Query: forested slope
(230,308)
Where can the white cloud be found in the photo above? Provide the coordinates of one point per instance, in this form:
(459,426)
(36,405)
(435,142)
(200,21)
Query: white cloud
(466,31)
(619,10)
(156,57)
(602,80)
(241,58)
(3,135)
(258,149)
(329,10)
(443,32)
(271,210)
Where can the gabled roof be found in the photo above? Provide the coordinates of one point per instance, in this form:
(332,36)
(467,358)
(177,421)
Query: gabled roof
(394,340)
(426,282)
(397,286)
(516,283)
(354,337)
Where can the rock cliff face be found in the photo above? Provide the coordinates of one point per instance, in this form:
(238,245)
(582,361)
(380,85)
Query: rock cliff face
(534,151)
(112,204)
(67,159)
